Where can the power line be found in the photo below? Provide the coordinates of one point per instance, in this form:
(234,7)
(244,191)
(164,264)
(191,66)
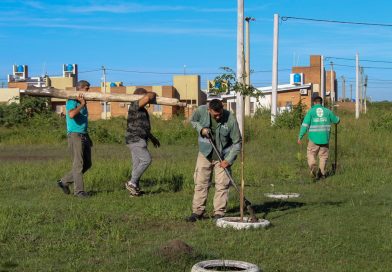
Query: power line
(362,60)
(285,18)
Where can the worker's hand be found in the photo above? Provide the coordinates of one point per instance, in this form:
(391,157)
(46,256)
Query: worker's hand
(155,141)
(205,132)
(81,99)
(224,164)
(299,141)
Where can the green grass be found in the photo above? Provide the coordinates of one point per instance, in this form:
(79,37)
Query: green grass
(340,224)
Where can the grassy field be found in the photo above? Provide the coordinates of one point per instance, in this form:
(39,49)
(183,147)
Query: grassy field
(340,224)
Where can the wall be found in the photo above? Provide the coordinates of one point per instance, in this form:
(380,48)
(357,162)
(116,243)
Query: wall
(9,95)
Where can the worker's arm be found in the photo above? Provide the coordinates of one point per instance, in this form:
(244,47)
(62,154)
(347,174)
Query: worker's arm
(147,99)
(334,118)
(304,127)
(74,112)
(154,140)
(235,149)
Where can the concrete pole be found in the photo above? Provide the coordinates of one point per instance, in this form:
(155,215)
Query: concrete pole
(274,96)
(343,88)
(351,92)
(240,99)
(247,62)
(332,89)
(356,86)
(322,80)
(240,63)
(360,89)
(104,91)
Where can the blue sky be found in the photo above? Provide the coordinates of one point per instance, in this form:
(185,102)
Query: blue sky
(155,39)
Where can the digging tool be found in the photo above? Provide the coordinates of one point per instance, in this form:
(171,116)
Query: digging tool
(246,201)
(335,163)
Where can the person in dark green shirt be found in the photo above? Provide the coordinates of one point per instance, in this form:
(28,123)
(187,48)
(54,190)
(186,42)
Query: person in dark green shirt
(318,122)
(222,126)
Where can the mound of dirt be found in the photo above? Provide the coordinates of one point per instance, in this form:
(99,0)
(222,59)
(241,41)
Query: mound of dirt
(175,249)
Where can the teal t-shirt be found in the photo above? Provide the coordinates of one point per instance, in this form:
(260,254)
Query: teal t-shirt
(78,124)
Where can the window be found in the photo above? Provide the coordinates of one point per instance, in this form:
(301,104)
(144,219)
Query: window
(107,107)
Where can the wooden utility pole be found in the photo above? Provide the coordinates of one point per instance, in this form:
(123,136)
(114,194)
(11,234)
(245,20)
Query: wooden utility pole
(356,86)
(274,95)
(93,96)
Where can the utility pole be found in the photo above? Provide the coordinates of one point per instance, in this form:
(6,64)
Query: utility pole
(274,94)
(360,89)
(351,92)
(343,88)
(332,89)
(239,97)
(322,74)
(247,62)
(240,63)
(365,98)
(356,86)
(104,91)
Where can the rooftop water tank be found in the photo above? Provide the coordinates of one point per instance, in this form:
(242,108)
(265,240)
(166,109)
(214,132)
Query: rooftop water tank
(112,84)
(69,67)
(297,79)
(20,69)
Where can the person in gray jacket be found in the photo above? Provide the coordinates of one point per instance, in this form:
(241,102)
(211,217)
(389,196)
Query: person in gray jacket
(221,125)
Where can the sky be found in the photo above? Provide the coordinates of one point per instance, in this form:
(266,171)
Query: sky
(147,42)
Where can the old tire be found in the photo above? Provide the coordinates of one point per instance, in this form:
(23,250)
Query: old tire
(208,266)
(235,222)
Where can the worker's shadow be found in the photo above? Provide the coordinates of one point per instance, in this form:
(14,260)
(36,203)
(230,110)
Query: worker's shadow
(172,183)
(271,206)
(281,205)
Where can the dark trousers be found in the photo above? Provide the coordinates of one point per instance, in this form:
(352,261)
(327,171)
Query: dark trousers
(80,147)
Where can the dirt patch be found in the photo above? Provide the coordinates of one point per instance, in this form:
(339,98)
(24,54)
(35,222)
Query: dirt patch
(175,250)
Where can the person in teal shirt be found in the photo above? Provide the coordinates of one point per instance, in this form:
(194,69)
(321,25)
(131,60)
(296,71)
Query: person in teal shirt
(317,123)
(79,142)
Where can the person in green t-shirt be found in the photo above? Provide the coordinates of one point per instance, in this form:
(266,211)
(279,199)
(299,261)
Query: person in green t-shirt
(318,122)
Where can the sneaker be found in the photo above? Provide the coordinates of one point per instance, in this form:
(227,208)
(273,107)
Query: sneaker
(314,172)
(194,217)
(63,187)
(217,216)
(133,190)
(82,194)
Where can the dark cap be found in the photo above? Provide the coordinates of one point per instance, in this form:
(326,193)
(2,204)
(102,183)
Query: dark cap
(317,98)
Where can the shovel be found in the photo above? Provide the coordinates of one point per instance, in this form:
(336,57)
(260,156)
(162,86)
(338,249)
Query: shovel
(247,203)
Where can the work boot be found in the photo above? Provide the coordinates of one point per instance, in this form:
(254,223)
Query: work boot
(132,189)
(314,173)
(63,187)
(217,216)
(83,194)
(194,217)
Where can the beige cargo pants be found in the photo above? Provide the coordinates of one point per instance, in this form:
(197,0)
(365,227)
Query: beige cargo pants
(202,178)
(322,151)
